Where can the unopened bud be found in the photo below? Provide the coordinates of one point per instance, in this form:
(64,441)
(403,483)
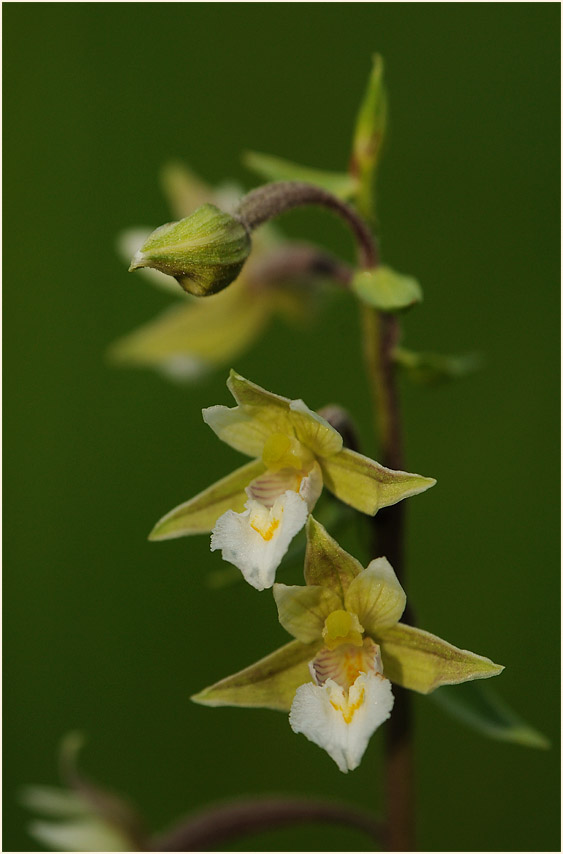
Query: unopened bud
(205,251)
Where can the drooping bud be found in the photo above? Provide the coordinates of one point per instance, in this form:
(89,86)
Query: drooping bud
(205,252)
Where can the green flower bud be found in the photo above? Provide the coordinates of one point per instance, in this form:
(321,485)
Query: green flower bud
(205,251)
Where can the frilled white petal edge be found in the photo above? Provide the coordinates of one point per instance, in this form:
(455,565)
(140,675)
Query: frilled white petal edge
(256,540)
(342,722)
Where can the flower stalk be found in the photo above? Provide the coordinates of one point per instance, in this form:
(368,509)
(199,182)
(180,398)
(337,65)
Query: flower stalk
(272,200)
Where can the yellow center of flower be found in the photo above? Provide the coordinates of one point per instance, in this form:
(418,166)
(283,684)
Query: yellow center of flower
(342,627)
(266,532)
(345,707)
(285,452)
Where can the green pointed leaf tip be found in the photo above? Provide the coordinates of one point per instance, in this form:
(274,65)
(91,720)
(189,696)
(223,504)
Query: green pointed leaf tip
(480,708)
(372,117)
(271,683)
(386,290)
(205,251)
(271,168)
(433,368)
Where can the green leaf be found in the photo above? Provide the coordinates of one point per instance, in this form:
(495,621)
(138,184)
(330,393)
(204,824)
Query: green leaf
(480,708)
(340,184)
(422,662)
(326,563)
(369,137)
(386,290)
(366,485)
(433,368)
(271,683)
(199,514)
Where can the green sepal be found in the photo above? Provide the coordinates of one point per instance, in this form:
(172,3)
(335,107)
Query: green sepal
(326,562)
(187,340)
(423,662)
(480,708)
(302,611)
(271,683)
(433,368)
(366,485)
(205,251)
(386,290)
(199,514)
(271,168)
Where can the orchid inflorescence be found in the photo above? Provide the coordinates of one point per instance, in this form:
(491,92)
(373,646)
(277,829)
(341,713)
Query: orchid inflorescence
(349,647)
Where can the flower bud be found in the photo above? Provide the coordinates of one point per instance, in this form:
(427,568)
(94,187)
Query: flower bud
(205,251)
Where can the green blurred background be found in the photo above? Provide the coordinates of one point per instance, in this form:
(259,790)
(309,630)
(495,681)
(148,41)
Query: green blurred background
(111,634)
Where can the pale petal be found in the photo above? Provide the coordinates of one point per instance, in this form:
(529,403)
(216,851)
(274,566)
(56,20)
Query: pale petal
(312,486)
(313,430)
(238,429)
(342,722)
(52,801)
(85,834)
(256,540)
(376,596)
(303,610)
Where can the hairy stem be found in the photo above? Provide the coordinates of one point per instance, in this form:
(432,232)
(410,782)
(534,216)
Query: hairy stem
(271,200)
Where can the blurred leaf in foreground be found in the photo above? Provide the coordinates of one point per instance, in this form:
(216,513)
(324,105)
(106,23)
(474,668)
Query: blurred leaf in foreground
(480,708)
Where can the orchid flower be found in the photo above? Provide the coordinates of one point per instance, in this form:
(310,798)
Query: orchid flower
(255,512)
(335,677)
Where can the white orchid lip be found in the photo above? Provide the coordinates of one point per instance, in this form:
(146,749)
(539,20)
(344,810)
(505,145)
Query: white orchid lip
(256,540)
(339,720)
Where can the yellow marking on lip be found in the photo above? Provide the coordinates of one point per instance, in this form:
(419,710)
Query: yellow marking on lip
(349,710)
(269,532)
